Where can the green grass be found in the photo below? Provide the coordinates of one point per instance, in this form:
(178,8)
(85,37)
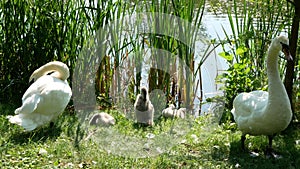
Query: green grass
(206,145)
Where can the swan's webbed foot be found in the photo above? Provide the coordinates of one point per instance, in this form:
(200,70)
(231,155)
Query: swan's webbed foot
(269,152)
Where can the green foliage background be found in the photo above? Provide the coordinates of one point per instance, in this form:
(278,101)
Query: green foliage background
(32,34)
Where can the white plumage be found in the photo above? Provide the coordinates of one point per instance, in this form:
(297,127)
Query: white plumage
(265,113)
(169,111)
(102,119)
(46,98)
(143,108)
(172,112)
(181,112)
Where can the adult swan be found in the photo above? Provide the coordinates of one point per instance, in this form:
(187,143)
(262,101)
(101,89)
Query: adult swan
(46,98)
(265,113)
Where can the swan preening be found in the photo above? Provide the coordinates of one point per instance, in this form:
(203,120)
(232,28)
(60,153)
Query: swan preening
(172,112)
(102,119)
(261,112)
(143,108)
(46,98)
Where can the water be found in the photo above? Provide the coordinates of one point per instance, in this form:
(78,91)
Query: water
(214,65)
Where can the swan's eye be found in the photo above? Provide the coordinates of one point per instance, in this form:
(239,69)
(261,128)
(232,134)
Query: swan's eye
(50,72)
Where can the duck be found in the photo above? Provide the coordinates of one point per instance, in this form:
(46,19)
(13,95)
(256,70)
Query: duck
(143,108)
(46,98)
(102,119)
(265,112)
(172,112)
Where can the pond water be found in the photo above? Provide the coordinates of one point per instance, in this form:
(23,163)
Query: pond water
(214,65)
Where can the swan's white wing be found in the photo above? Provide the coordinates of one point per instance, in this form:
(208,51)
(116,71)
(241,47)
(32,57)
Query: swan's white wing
(43,101)
(248,111)
(29,104)
(33,95)
(248,104)
(55,96)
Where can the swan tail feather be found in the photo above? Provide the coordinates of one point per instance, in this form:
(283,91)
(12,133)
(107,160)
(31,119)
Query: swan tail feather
(27,124)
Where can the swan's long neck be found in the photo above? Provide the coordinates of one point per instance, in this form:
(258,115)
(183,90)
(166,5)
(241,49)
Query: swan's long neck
(144,94)
(61,71)
(275,86)
(272,66)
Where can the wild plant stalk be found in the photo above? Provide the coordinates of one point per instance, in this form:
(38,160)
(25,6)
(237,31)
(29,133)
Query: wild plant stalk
(193,13)
(207,52)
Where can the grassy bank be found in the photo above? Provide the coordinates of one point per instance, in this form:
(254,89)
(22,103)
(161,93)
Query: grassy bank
(35,33)
(206,145)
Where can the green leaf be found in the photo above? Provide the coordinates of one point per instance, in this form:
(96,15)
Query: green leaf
(239,66)
(247,70)
(241,50)
(236,65)
(226,56)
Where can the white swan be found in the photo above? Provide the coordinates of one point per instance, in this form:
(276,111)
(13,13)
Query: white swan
(172,112)
(169,111)
(265,113)
(143,108)
(102,119)
(46,98)
(181,113)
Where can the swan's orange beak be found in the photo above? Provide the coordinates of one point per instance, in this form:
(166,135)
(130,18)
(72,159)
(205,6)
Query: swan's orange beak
(286,52)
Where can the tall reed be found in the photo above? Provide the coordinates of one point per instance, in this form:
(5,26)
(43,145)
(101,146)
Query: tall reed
(33,34)
(180,46)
